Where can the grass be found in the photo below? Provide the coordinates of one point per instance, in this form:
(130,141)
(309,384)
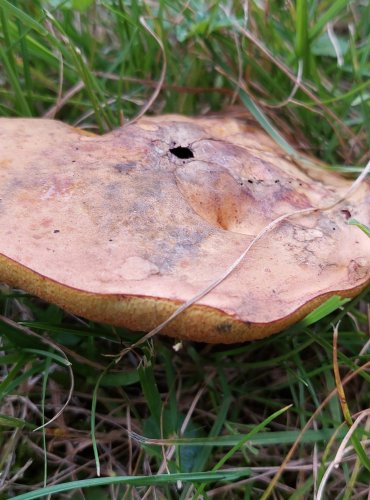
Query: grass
(203,421)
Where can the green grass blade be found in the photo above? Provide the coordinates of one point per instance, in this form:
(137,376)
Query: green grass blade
(14,81)
(160,479)
(150,390)
(242,441)
(302,40)
(14,422)
(93,417)
(261,439)
(27,20)
(11,376)
(334,10)
(47,354)
(363,227)
(322,311)
(266,124)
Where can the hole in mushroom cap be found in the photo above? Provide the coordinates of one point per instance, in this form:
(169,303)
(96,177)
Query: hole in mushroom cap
(181,152)
(346,213)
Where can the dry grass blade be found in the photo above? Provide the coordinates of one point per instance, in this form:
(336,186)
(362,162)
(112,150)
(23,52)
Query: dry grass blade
(338,382)
(62,100)
(342,451)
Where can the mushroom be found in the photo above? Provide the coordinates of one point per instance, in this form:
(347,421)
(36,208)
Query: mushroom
(125,227)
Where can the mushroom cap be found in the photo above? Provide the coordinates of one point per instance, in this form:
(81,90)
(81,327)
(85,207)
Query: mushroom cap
(122,228)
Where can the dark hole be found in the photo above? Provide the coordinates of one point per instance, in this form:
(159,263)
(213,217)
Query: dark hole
(346,213)
(56,231)
(182,153)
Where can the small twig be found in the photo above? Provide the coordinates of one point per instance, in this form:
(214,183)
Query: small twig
(63,100)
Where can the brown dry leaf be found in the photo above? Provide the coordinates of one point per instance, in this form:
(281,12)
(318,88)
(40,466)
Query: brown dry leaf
(123,228)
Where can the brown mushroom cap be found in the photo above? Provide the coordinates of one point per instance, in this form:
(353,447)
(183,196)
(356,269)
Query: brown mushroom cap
(123,228)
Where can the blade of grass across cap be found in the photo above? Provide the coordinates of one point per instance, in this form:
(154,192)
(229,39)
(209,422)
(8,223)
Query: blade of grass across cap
(242,256)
